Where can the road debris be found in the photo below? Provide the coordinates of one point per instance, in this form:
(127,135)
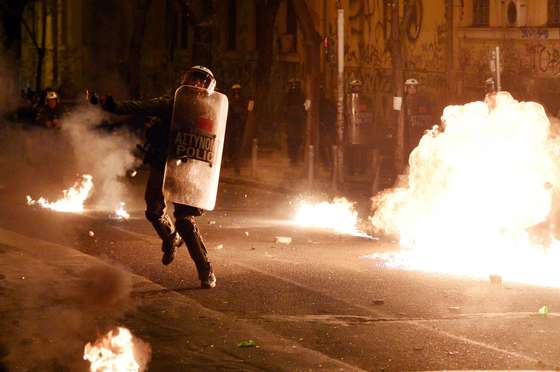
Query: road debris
(283,240)
(211,222)
(219,246)
(247,343)
(91,234)
(544,311)
(378,301)
(454,309)
(246,233)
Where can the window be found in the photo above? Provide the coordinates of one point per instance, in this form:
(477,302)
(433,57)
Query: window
(481,13)
(232,25)
(554,12)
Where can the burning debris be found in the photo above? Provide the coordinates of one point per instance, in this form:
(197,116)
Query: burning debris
(475,192)
(117,351)
(120,213)
(339,216)
(73,199)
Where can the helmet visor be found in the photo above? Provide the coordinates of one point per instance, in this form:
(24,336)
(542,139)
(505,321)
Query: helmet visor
(199,79)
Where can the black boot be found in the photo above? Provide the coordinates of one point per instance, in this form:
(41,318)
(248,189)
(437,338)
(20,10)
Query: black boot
(171,240)
(191,235)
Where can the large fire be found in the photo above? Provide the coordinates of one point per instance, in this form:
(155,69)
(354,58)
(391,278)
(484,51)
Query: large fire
(479,195)
(339,216)
(73,199)
(117,351)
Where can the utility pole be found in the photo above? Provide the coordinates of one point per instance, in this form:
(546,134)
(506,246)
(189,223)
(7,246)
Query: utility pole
(397,64)
(339,171)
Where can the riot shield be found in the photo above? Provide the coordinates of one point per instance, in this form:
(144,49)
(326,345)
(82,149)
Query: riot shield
(196,143)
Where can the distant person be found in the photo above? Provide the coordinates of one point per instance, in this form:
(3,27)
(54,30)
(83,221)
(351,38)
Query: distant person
(294,115)
(51,113)
(417,112)
(239,107)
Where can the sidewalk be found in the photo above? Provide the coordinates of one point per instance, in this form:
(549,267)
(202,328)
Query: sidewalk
(56,299)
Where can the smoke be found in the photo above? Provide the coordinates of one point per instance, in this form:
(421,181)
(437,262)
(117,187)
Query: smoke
(105,155)
(57,318)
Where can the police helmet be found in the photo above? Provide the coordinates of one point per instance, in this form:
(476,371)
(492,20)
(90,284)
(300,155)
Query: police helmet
(201,77)
(411,82)
(51,95)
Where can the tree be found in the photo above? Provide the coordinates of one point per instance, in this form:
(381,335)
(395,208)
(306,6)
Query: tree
(312,40)
(266,18)
(398,28)
(13,18)
(140,13)
(201,15)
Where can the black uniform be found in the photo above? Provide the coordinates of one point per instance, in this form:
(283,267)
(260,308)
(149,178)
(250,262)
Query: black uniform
(156,208)
(294,116)
(237,116)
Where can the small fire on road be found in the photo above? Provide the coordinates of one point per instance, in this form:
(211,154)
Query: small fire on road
(339,215)
(121,213)
(117,351)
(480,196)
(73,199)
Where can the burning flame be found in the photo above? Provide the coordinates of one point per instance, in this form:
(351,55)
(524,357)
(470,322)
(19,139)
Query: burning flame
(339,216)
(117,351)
(121,213)
(479,195)
(73,199)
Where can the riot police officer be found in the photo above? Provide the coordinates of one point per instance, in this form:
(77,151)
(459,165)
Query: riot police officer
(185,228)
(237,116)
(50,114)
(294,115)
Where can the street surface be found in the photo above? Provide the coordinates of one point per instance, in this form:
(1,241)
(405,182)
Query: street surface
(315,304)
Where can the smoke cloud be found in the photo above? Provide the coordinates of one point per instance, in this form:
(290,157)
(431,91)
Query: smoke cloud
(105,155)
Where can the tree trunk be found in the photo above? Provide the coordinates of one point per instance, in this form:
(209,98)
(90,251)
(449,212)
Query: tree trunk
(312,41)
(41,50)
(398,77)
(266,17)
(54,10)
(141,10)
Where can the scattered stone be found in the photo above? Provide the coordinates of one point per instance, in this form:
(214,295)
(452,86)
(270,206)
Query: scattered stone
(452,353)
(247,343)
(283,240)
(378,301)
(91,234)
(246,233)
(496,279)
(454,309)
(418,348)
(211,222)
(219,246)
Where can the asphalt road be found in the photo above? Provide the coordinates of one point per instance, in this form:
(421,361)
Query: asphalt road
(319,291)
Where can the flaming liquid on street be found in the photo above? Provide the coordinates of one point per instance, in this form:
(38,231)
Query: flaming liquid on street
(73,198)
(481,196)
(120,212)
(339,215)
(117,351)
